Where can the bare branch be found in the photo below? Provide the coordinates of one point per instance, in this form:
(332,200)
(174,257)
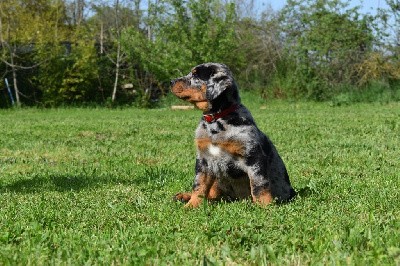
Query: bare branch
(21,67)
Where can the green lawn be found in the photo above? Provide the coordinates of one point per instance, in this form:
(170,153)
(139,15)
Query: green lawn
(95,186)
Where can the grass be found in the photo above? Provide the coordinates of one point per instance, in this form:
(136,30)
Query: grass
(94,186)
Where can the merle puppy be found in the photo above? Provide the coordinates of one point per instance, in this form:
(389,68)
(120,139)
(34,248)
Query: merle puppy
(235,160)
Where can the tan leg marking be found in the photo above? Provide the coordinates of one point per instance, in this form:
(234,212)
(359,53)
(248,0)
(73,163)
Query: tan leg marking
(200,192)
(214,193)
(208,188)
(264,198)
(183,196)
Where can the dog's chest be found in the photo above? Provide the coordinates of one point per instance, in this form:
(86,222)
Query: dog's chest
(220,151)
(219,161)
(214,150)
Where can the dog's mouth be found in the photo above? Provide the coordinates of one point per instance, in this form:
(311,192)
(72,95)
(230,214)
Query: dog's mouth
(186,98)
(202,105)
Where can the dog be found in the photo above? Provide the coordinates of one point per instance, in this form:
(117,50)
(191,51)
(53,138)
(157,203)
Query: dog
(235,160)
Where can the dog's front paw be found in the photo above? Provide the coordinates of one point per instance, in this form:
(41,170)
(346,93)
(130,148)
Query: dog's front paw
(194,202)
(183,197)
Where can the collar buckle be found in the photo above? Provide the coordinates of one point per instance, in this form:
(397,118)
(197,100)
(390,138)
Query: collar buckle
(209,118)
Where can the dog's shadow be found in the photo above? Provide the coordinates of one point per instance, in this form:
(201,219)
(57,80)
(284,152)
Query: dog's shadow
(153,177)
(58,182)
(49,183)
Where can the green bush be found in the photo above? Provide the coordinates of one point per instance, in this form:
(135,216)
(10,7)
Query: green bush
(374,91)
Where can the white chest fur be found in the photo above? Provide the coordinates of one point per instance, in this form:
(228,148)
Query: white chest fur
(214,150)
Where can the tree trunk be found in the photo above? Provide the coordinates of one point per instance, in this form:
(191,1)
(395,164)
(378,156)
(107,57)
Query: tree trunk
(17,100)
(101,38)
(14,72)
(116,73)
(117,61)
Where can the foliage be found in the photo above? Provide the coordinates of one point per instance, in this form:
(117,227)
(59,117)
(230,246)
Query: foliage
(261,46)
(328,40)
(68,75)
(75,52)
(182,36)
(378,67)
(94,186)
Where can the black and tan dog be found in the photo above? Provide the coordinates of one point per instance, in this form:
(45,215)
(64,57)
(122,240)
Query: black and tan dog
(235,160)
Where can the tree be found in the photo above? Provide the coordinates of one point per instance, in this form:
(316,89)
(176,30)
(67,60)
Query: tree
(262,47)
(111,22)
(183,34)
(392,22)
(25,28)
(75,51)
(328,39)
(383,64)
(12,16)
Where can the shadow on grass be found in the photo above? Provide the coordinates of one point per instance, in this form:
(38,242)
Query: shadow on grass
(60,183)
(151,178)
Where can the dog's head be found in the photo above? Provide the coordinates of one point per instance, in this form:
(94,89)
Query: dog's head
(208,86)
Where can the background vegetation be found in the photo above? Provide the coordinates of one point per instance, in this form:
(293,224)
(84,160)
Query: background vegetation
(63,52)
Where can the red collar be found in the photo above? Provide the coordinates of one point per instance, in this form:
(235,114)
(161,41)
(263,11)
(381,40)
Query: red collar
(213,117)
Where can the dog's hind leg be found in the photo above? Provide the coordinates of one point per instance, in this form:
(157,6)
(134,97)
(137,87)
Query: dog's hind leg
(261,195)
(260,188)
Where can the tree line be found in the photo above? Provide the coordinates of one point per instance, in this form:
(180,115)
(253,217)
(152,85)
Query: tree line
(74,52)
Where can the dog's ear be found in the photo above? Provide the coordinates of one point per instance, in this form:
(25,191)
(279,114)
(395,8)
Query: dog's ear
(219,81)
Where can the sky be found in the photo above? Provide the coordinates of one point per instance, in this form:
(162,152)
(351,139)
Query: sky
(368,6)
